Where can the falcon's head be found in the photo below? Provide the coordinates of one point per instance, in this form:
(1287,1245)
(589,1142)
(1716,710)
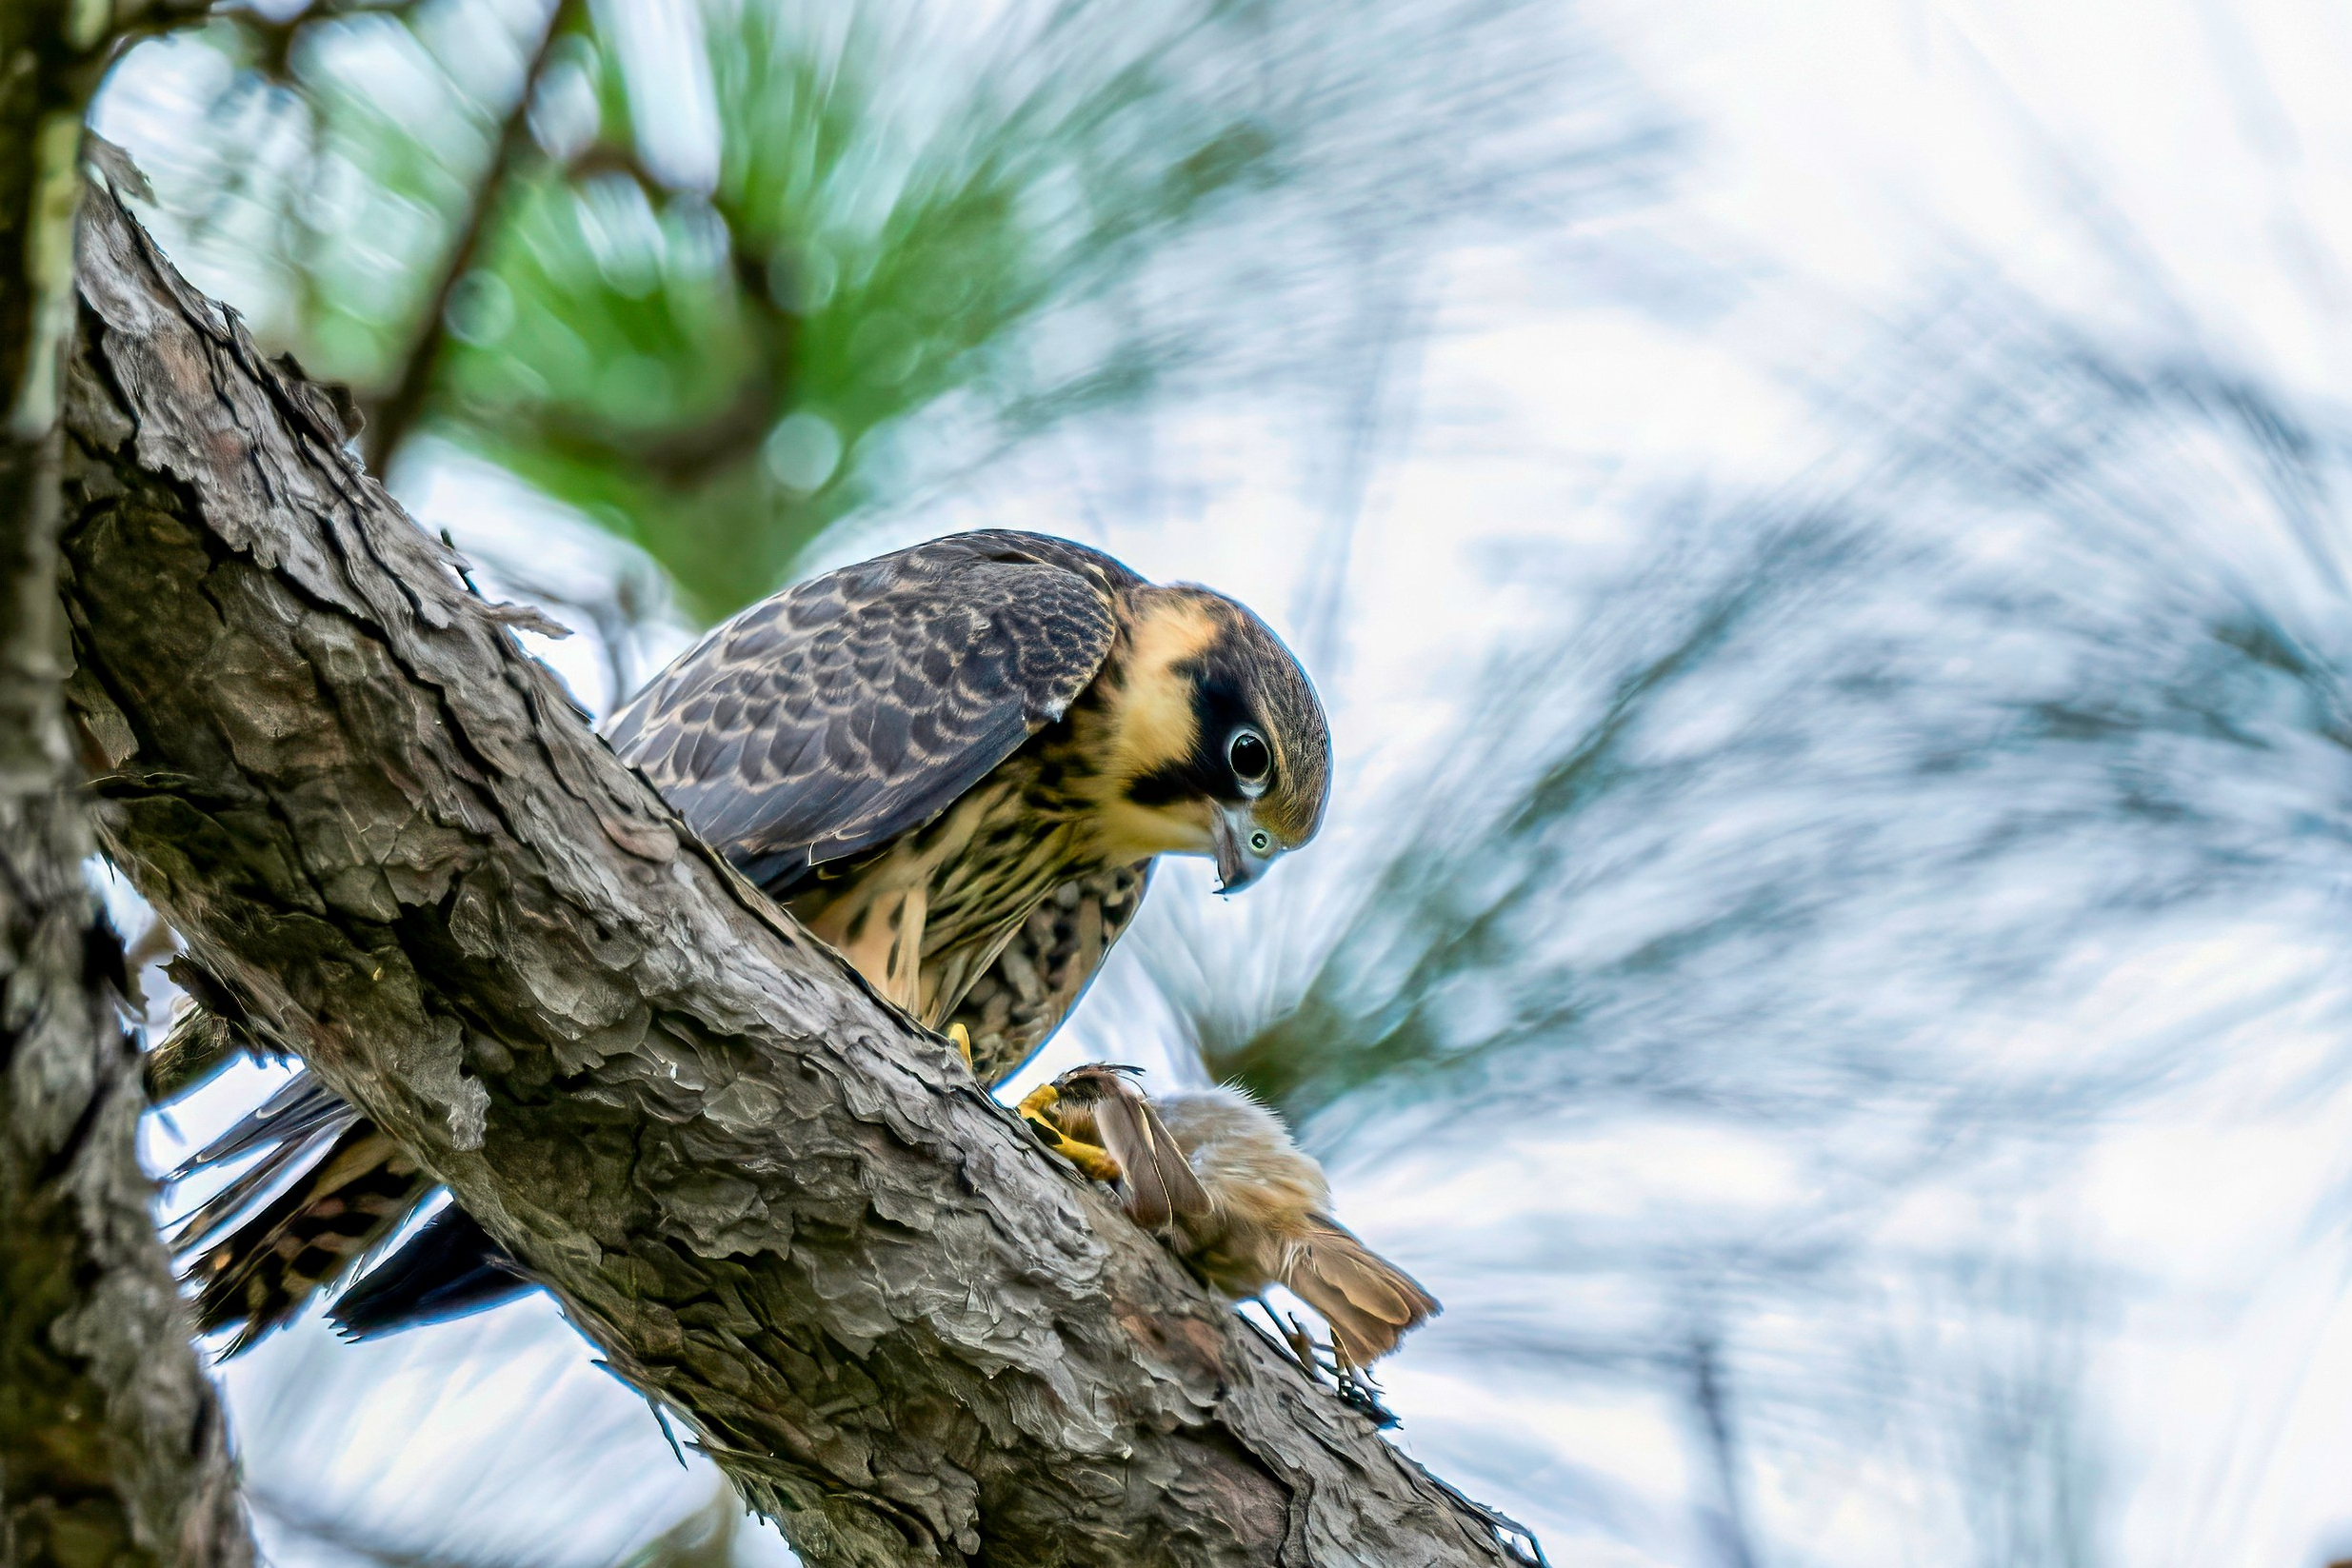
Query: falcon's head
(1219,745)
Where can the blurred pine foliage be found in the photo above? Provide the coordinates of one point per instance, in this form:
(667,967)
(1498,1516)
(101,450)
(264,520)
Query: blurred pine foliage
(698,269)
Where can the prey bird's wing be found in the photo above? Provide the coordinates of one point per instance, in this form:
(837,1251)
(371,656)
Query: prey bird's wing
(863,703)
(1158,1179)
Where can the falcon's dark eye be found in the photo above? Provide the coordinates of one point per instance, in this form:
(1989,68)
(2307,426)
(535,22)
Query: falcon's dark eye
(1251,758)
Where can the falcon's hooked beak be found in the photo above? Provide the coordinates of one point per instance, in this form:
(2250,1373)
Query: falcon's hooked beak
(1244,848)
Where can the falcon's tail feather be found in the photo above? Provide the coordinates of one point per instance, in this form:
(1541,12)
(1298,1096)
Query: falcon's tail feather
(1369,1301)
(236,1199)
(302,1106)
(260,1274)
(450,1268)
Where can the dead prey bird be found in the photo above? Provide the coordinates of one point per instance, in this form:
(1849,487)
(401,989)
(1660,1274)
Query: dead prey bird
(1219,1176)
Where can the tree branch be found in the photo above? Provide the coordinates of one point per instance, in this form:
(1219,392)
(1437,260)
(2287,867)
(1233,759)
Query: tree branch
(111,1444)
(777,1207)
(389,421)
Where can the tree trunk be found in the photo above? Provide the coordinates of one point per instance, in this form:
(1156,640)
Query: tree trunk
(780,1209)
(111,1446)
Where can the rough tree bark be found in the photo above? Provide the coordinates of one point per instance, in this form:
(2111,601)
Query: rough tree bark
(779,1209)
(111,1446)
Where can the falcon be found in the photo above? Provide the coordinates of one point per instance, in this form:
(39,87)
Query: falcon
(956,764)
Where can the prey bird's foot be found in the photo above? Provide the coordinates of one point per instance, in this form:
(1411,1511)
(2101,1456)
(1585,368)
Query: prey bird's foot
(1360,1394)
(1356,1388)
(1036,1108)
(960,1039)
(1302,1345)
(1315,1358)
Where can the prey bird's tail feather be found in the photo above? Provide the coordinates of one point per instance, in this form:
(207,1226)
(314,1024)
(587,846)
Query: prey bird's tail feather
(1369,1301)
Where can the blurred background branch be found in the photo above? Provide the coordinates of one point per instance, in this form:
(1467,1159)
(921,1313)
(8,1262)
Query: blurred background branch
(389,421)
(533,237)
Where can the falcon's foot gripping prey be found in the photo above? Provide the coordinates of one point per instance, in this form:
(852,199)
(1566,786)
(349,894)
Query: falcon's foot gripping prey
(955,763)
(1239,1201)
(1088,1112)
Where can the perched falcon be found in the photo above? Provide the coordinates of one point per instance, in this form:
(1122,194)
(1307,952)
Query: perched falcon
(956,764)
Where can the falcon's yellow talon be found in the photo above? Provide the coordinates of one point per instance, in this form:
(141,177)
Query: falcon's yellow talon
(1036,1108)
(1095,1164)
(960,1039)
